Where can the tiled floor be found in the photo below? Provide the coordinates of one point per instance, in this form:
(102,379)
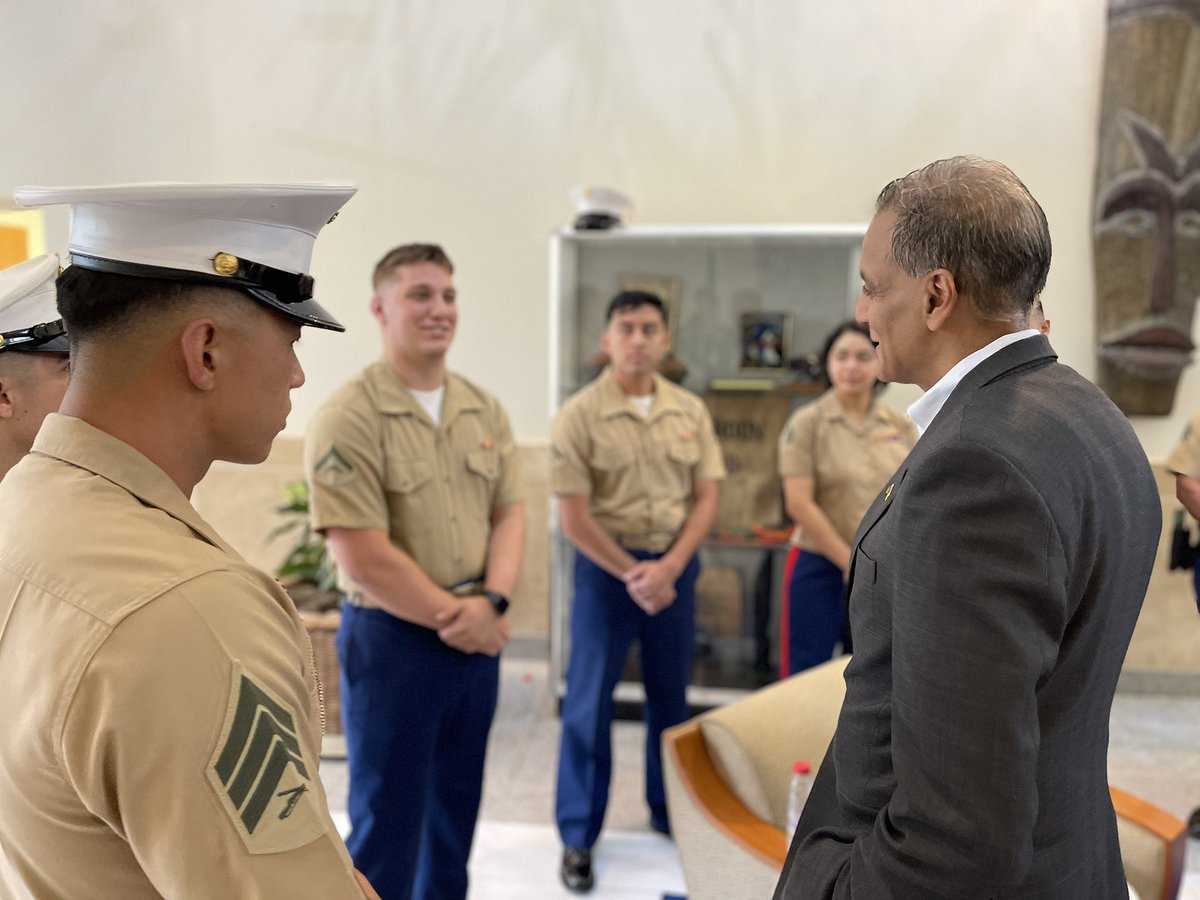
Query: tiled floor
(1154,753)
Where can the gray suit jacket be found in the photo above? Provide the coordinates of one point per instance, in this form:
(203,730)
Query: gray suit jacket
(994,587)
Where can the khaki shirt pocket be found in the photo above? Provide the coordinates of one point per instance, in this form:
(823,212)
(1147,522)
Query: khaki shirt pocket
(612,459)
(484,463)
(411,502)
(616,485)
(674,487)
(483,474)
(686,453)
(406,476)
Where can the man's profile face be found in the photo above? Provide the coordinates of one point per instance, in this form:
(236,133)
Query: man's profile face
(417,308)
(256,383)
(32,386)
(891,303)
(636,340)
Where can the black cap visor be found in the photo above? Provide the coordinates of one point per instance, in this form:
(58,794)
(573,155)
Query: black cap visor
(49,337)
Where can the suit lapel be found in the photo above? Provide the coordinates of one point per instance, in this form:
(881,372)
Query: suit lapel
(881,505)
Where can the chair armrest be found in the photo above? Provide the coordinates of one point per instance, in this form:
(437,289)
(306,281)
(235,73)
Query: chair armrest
(689,755)
(1164,826)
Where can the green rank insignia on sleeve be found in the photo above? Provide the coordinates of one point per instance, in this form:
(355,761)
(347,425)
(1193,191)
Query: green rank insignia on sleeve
(333,468)
(260,773)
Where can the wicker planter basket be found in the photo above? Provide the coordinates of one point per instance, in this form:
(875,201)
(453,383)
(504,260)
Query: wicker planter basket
(322,632)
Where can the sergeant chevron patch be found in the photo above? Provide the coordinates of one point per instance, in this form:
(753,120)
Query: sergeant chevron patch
(259,772)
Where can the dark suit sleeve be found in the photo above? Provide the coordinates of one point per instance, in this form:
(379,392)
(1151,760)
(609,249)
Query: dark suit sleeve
(976,578)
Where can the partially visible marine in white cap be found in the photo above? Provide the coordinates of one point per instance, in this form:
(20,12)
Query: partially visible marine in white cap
(170,712)
(255,237)
(33,355)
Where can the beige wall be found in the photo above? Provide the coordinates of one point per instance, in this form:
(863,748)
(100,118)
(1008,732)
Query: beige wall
(467,121)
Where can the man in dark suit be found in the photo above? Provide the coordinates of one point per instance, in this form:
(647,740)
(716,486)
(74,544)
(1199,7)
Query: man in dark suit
(995,582)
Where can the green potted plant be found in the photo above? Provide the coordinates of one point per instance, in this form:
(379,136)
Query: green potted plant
(307,572)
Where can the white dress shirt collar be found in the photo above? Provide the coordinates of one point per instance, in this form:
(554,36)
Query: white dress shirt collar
(925,410)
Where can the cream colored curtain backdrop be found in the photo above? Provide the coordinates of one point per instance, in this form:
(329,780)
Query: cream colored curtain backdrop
(466,122)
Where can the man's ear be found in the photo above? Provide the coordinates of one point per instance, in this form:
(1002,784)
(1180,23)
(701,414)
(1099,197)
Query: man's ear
(376,307)
(941,298)
(7,407)
(201,345)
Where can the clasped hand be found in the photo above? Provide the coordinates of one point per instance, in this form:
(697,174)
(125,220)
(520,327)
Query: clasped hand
(651,585)
(472,626)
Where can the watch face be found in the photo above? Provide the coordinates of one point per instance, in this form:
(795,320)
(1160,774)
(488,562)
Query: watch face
(498,601)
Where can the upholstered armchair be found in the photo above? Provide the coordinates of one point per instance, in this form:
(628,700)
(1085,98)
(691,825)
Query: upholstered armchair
(727,778)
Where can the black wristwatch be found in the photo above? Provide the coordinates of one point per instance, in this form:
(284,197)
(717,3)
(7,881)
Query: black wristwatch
(499,601)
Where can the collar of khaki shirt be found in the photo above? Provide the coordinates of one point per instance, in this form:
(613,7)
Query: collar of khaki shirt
(615,402)
(395,399)
(76,442)
(831,410)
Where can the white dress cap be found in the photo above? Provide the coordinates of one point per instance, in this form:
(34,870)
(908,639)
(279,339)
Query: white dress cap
(598,207)
(29,319)
(256,237)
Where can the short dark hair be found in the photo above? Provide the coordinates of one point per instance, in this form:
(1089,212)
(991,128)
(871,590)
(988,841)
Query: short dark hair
(851,326)
(628,300)
(976,219)
(407,255)
(95,304)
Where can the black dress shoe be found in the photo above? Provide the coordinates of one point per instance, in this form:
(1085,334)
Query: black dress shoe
(576,870)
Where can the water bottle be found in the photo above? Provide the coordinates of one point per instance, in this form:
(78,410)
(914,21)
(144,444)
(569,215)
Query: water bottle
(802,781)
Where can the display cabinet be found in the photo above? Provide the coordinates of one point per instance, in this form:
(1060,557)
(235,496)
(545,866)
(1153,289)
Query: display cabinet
(748,308)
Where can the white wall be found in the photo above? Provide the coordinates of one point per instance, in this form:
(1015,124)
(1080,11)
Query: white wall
(466,122)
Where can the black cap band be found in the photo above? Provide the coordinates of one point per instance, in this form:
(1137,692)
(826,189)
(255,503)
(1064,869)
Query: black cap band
(48,337)
(290,293)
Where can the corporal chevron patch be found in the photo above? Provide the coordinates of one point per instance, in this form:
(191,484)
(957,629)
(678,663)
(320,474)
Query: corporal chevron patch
(260,773)
(333,468)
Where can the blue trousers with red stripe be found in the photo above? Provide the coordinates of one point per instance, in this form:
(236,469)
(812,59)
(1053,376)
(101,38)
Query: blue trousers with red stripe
(604,624)
(815,617)
(417,715)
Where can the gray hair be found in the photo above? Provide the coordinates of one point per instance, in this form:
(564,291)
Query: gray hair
(974,218)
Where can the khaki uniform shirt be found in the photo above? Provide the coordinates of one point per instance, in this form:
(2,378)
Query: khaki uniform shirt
(375,460)
(849,463)
(1185,458)
(638,471)
(164,726)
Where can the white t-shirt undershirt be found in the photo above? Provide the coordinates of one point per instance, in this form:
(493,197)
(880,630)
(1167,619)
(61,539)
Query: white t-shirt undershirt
(431,401)
(643,404)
